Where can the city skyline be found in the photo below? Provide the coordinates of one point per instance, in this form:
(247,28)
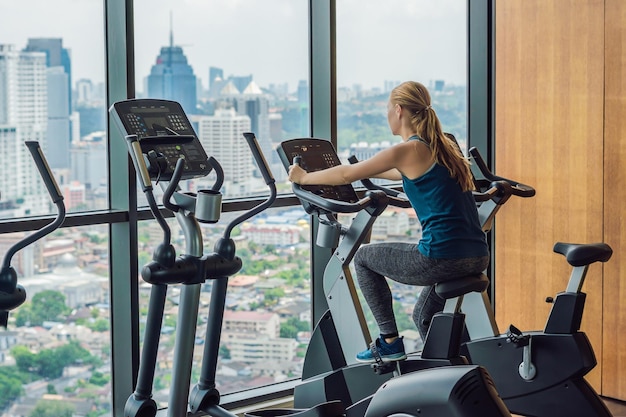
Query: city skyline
(275,53)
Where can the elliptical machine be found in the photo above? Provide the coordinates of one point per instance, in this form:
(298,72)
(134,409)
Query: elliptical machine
(12,295)
(164,147)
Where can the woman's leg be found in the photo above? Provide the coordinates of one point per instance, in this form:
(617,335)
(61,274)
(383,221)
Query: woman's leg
(397,261)
(404,263)
(428,304)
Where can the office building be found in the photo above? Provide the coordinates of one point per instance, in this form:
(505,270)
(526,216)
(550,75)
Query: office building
(59,66)
(222,137)
(172,78)
(23,117)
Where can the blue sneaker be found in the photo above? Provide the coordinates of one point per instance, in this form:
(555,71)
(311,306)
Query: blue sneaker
(381,351)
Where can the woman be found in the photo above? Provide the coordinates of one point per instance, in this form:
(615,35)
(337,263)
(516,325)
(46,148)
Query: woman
(437,180)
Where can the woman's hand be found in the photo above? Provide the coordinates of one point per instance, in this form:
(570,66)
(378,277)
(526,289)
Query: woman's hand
(296,174)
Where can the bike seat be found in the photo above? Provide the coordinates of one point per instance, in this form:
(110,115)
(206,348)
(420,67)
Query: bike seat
(461,286)
(584,254)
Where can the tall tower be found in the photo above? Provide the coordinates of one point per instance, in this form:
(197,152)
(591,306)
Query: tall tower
(23,116)
(172,78)
(59,98)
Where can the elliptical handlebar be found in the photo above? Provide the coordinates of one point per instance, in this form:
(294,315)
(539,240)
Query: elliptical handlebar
(269,181)
(13,295)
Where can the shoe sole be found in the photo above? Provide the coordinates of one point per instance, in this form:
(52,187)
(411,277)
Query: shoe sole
(384,359)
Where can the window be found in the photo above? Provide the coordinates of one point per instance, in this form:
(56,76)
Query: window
(380,45)
(55,354)
(235,68)
(52,91)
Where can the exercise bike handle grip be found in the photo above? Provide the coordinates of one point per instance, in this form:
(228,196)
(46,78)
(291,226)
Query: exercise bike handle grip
(44,171)
(376,198)
(259,158)
(518,189)
(396,198)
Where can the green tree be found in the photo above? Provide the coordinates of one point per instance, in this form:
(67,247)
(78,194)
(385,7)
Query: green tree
(48,305)
(290,328)
(50,408)
(10,386)
(272,295)
(224,352)
(98,378)
(50,364)
(24,358)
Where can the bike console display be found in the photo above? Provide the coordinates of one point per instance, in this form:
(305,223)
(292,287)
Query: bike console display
(165,136)
(316,154)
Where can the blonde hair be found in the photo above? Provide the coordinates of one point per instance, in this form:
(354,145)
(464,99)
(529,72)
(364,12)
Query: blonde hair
(415,98)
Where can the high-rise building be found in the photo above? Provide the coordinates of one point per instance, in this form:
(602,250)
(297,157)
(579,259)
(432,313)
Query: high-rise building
(221,136)
(56,56)
(23,117)
(172,78)
(59,98)
(59,121)
(215,74)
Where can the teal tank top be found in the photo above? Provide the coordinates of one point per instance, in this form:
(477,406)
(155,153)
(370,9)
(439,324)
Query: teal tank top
(449,217)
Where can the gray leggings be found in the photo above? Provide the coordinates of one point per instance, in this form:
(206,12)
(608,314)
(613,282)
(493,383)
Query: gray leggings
(404,263)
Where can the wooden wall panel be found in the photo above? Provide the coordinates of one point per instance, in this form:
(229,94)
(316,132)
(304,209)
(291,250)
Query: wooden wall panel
(614,324)
(549,134)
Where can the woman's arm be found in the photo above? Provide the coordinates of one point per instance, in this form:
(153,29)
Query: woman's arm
(392,174)
(381,165)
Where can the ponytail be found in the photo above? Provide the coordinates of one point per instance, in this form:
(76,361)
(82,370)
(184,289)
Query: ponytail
(414,97)
(445,150)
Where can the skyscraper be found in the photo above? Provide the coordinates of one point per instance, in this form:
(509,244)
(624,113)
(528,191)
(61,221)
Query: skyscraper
(215,73)
(221,136)
(59,98)
(56,56)
(172,78)
(23,116)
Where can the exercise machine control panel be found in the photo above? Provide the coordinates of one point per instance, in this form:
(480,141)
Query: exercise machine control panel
(165,136)
(316,154)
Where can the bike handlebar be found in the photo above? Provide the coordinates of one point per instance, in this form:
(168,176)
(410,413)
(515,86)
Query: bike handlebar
(517,188)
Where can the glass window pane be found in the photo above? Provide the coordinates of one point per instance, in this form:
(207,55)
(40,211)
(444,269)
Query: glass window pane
(419,40)
(267,308)
(380,45)
(234,67)
(52,91)
(55,353)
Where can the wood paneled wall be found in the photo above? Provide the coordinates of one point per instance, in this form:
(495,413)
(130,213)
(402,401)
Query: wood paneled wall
(614,323)
(550,97)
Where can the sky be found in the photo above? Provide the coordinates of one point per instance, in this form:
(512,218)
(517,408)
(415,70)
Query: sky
(377,40)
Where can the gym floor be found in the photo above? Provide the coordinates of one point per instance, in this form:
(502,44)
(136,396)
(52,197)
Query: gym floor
(617,408)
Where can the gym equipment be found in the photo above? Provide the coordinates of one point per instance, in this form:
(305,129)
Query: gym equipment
(12,295)
(331,372)
(164,147)
(539,373)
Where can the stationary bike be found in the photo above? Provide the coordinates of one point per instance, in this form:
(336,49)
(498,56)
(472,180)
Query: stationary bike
(539,373)
(12,295)
(331,373)
(164,147)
